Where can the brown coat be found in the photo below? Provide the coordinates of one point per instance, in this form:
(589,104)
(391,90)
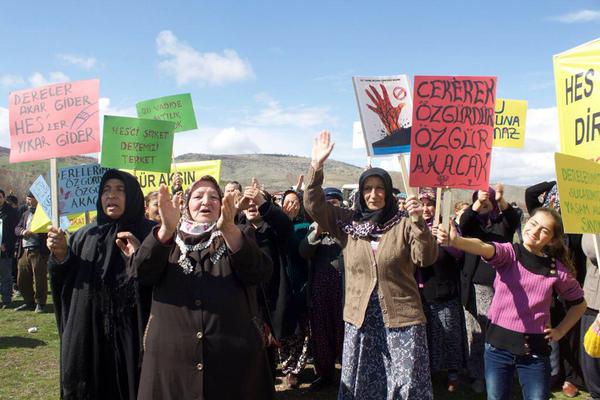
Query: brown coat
(401,249)
(201,342)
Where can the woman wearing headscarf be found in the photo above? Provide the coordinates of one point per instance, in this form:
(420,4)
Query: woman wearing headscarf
(385,344)
(203,339)
(99,308)
(490,218)
(441,302)
(291,320)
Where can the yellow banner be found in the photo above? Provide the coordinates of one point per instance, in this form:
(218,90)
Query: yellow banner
(40,222)
(190,172)
(509,127)
(579,192)
(577,80)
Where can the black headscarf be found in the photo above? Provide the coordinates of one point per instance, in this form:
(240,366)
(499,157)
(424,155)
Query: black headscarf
(369,224)
(382,216)
(109,258)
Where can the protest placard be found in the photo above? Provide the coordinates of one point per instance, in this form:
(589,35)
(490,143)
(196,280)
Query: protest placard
(134,143)
(41,192)
(577,80)
(385,108)
(452,132)
(509,123)
(78,188)
(40,222)
(578,182)
(358,138)
(190,172)
(178,109)
(52,121)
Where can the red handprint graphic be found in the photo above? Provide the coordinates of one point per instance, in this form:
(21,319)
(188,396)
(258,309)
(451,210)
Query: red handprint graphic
(388,114)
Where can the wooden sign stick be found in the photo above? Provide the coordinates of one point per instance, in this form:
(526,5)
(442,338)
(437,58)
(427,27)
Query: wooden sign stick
(54,192)
(447,210)
(409,191)
(438,206)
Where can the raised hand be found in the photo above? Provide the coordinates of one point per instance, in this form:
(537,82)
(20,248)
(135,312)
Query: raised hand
(483,198)
(499,191)
(170,213)
(414,207)
(299,182)
(127,243)
(228,213)
(322,147)
(57,243)
(387,113)
(443,237)
(254,194)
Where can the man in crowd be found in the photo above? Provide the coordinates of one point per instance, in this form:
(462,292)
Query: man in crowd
(33,262)
(8,220)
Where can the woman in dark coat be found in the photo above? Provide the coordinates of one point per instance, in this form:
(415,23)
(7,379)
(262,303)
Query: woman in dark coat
(203,340)
(98,307)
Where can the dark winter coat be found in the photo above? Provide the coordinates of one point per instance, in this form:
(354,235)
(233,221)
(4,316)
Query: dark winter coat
(201,341)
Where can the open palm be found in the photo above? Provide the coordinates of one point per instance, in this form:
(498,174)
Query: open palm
(322,147)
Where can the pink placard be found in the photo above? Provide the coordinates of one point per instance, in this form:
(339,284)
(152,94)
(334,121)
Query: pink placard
(56,120)
(452,131)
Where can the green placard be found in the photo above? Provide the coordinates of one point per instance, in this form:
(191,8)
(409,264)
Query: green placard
(178,109)
(134,143)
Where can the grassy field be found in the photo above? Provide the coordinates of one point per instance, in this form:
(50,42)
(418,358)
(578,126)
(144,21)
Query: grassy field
(29,363)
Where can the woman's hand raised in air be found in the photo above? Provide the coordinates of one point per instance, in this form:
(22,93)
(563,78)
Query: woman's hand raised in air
(322,147)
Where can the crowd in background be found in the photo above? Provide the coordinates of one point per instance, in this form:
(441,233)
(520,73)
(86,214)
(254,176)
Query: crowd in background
(217,293)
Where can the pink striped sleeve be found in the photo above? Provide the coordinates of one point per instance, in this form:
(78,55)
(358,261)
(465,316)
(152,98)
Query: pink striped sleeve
(566,285)
(503,257)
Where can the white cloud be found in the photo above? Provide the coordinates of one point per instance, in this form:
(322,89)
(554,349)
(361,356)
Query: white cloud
(9,80)
(86,63)
(301,116)
(578,16)
(107,109)
(4,128)
(188,65)
(534,162)
(38,79)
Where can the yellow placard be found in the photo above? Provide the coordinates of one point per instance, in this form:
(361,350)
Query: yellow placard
(509,126)
(577,80)
(40,222)
(190,172)
(579,192)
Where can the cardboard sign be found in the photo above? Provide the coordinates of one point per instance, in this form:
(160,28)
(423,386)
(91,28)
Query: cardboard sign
(452,132)
(41,191)
(178,109)
(53,121)
(579,191)
(40,222)
(78,188)
(358,138)
(509,127)
(385,108)
(190,173)
(133,143)
(577,79)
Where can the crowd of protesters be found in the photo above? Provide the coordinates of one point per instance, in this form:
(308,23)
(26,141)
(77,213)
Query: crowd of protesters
(219,294)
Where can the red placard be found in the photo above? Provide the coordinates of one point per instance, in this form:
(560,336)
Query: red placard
(453,130)
(56,120)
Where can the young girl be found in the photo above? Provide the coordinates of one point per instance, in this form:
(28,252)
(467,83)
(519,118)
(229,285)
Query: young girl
(526,275)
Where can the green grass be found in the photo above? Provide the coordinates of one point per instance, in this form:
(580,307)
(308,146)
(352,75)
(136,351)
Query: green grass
(29,366)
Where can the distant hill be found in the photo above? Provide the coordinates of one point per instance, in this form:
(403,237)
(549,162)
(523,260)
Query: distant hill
(275,171)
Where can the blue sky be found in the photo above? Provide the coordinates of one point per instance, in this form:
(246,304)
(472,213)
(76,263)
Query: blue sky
(266,76)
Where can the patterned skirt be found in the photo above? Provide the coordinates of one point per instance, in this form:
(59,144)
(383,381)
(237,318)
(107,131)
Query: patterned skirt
(384,363)
(446,335)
